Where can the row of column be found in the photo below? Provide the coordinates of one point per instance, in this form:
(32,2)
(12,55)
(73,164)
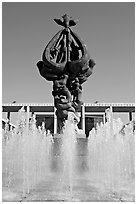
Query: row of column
(83,118)
(55,118)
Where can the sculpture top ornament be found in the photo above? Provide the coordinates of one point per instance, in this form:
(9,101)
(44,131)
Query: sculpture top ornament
(66,21)
(66,62)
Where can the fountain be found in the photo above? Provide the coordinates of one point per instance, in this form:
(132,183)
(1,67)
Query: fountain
(37,166)
(26,153)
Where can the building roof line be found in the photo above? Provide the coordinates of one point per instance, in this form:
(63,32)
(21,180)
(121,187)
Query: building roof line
(85,104)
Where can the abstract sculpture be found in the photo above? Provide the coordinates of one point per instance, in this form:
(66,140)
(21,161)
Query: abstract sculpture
(66,62)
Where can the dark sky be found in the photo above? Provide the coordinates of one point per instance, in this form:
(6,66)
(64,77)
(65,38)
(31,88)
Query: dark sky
(108,30)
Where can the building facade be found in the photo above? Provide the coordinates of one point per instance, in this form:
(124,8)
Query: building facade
(90,113)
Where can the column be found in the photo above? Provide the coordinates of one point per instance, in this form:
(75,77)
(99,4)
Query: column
(111,120)
(55,121)
(8,121)
(130,116)
(104,118)
(83,117)
(27,117)
(111,113)
(8,116)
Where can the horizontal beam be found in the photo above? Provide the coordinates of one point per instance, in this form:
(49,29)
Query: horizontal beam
(27,104)
(110,104)
(85,104)
(89,107)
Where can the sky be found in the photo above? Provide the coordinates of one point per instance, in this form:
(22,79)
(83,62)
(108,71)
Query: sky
(108,30)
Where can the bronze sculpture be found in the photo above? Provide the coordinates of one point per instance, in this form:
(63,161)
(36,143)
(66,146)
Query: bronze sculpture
(66,62)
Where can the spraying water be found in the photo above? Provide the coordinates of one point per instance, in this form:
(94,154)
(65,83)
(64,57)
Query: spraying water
(104,171)
(26,155)
(68,151)
(112,154)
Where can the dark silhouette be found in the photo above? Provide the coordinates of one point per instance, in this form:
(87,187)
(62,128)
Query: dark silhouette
(67,63)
